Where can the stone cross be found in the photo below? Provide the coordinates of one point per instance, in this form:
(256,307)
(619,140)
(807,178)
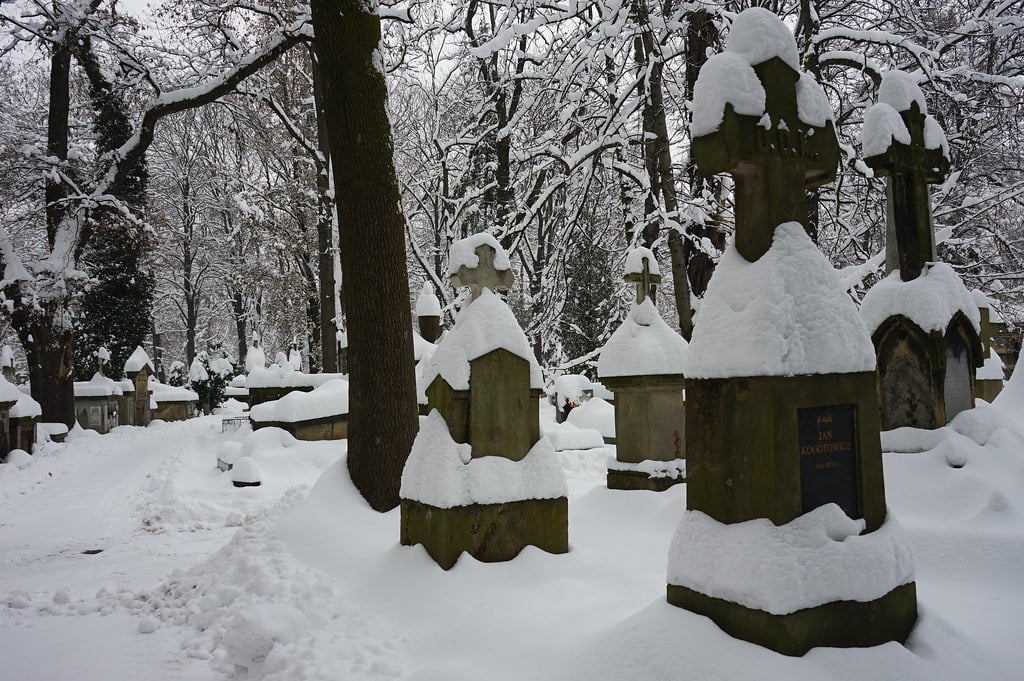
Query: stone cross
(643,280)
(484,275)
(910,169)
(773,159)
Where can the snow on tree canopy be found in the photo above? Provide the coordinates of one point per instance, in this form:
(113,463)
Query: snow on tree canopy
(463,252)
(328,399)
(635,261)
(882,126)
(756,36)
(137,360)
(484,325)
(197,372)
(442,473)
(930,301)
(428,304)
(643,345)
(785,315)
(815,559)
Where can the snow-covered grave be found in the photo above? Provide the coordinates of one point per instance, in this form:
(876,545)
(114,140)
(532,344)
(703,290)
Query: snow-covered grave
(24,420)
(280,379)
(321,414)
(480,477)
(137,369)
(10,398)
(97,402)
(782,424)
(925,324)
(988,381)
(172,403)
(428,314)
(300,579)
(642,363)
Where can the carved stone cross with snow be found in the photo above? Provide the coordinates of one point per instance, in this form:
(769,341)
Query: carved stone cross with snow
(484,275)
(774,158)
(910,167)
(643,280)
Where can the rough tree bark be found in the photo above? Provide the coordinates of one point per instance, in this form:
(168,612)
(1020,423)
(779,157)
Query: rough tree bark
(383,414)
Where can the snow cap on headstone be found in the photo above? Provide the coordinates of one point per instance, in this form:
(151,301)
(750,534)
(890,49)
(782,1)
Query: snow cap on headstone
(428,304)
(137,360)
(883,123)
(463,253)
(728,78)
(635,261)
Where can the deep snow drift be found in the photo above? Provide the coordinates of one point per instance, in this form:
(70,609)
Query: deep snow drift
(199,580)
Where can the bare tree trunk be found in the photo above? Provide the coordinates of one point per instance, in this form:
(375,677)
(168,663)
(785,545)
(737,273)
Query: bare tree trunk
(371,230)
(324,225)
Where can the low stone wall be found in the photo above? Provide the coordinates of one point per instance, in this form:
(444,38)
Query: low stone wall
(327,428)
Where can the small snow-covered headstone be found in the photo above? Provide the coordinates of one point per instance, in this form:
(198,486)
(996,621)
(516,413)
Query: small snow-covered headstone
(428,313)
(245,473)
(924,323)
(781,402)
(18,457)
(479,477)
(642,363)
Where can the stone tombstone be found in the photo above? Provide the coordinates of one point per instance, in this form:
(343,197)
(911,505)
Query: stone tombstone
(989,378)
(642,365)
(483,387)
(781,400)
(428,314)
(138,368)
(926,365)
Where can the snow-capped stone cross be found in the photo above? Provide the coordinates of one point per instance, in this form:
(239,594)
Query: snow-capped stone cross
(643,280)
(484,275)
(912,157)
(774,133)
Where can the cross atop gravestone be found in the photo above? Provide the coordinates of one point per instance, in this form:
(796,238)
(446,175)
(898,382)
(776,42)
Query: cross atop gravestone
(905,144)
(759,119)
(643,277)
(485,272)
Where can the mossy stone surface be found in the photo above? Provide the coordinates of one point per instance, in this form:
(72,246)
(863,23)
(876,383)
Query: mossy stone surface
(635,480)
(488,532)
(840,624)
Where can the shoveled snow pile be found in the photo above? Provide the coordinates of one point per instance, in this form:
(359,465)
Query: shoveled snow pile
(328,399)
(930,301)
(643,345)
(442,473)
(486,324)
(817,558)
(784,315)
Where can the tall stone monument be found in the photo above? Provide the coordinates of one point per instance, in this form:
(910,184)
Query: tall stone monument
(642,363)
(924,323)
(785,496)
(480,478)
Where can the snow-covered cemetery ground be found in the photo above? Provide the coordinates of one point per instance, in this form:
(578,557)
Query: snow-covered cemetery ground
(131,556)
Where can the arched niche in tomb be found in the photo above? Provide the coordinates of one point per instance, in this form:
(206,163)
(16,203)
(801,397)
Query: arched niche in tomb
(963,357)
(907,381)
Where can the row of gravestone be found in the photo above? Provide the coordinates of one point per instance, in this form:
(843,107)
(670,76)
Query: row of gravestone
(782,417)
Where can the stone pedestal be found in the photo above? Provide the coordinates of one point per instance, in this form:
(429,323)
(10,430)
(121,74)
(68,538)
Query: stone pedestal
(489,532)
(649,426)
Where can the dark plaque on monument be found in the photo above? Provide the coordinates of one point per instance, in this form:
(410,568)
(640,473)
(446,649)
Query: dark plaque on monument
(828,458)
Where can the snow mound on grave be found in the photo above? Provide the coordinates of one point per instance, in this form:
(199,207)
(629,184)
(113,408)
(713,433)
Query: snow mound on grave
(463,253)
(643,345)
(167,393)
(930,301)
(882,125)
(817,558)
(483,326)
(784,315)
(597,414)
(277,376)
(442,473)
(567,436)
(328,399)
(98,386)
(26,407)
